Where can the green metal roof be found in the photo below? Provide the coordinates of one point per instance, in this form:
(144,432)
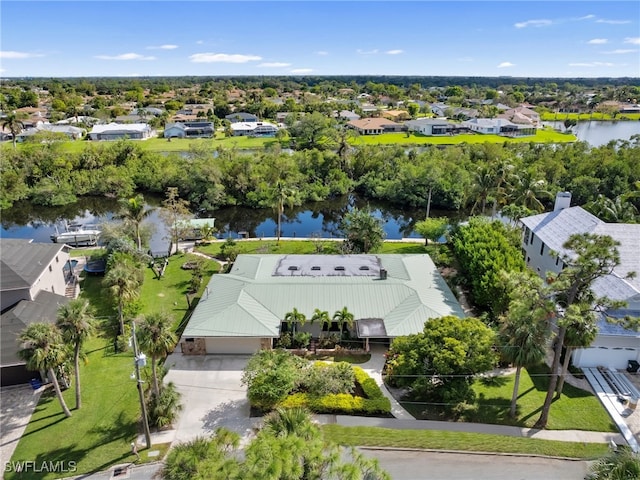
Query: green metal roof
(251,301)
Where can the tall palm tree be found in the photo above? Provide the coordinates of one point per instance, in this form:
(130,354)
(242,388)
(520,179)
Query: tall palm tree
(484,183)
(133,211)
(345,318)
(581,332)
(44,349)
(76,321)
(124,281)
(14,125)
(295,318)
(157,339)
(282,195)
(618,210)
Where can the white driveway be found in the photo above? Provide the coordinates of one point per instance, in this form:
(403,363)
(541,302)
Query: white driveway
(212,394)
(16,407)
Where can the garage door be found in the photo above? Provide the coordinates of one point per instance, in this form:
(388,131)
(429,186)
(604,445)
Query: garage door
(216,346)
(617,358)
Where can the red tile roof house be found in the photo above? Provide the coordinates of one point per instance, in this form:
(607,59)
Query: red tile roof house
(375,126)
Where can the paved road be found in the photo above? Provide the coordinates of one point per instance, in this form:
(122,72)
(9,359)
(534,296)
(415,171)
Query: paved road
(420,465)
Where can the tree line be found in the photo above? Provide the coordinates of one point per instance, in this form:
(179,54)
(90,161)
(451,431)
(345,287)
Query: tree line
(480,177)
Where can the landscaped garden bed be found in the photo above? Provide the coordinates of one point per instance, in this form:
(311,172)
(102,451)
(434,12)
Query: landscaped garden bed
(277,378)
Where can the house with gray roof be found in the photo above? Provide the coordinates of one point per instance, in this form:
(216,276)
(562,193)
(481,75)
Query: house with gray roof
(237,117)
(254,129)
(197,129)
(389,295)
(120,131)
(32,286)
(431,126)
(547,232)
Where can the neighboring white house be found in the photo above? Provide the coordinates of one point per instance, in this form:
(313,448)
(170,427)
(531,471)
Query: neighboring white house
(614,346)
(375,126)
(254,129)
(73,133)
(119,131)
(347,115)
(498,126)
(241,117)
(430,126)
(32,286)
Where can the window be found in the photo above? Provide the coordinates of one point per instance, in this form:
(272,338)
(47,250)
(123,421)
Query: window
(339,268)
(541,247)
(531,241)
(293,268)
(363,267)
(527,234)
(50,269)
(315,268)
(557,260)
(57,260)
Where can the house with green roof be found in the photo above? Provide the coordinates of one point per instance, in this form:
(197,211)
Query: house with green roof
(389,295)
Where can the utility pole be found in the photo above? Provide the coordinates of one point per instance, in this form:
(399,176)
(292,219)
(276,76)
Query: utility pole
(140,360)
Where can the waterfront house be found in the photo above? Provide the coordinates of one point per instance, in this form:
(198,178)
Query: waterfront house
(254,129)
(117,131)
(374,126)
(191,129)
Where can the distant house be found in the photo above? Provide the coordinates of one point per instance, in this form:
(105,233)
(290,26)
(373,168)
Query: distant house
(431,126)
(521,115)
(498,126)
(439,109)
(238,117)
(117,131)
(375,126)
(396,115)
(614,346)
(72,133)
(189,130)
(33,281)
(254,129)
(347,115)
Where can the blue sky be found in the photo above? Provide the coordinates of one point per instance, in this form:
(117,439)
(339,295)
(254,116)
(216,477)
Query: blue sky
(147,38)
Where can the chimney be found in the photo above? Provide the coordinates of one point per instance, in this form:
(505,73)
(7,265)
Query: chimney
(383,274)
(563,200)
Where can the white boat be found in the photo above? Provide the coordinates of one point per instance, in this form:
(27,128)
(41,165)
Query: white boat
(78,235)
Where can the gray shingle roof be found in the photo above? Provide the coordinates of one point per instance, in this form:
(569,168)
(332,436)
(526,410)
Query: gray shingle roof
(43,309)
(250,301)
(22,262)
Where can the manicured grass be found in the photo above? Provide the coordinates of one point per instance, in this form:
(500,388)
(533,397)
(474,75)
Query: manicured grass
(575,410)
(290,247)
(445,440)
(547,135)
(99,435)
(561,117)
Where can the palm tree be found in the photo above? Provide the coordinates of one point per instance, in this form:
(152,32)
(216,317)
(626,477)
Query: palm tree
(294,317)
(527,192)
(133,211)
(581,332)
(621,464)
(483,187)
(44,349)
(618,210)
(76,321)
(124,282)
(157,339)
(524,332)
(14,125)
(321,316)
(282,195)
(344,317)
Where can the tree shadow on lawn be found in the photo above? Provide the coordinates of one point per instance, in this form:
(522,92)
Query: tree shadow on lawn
(540,374)
(59,462)
(119,429)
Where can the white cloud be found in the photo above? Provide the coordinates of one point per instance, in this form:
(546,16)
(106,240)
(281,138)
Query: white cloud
(274,64)
(125,56)
(598,41)
(592,64)
(322,53)
(301,70)
(632,40)
(613,22)
(586,17)
(223,58)
(621,51)
(2,70)
(533,23)
(367,52)
(163,47)
(506,64)
(199,42)
(394,52)
(18,55)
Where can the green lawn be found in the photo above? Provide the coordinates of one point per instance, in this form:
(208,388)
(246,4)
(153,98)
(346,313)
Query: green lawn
(290,247)
(575,410)
(445,440)
(547,135)
(99,435)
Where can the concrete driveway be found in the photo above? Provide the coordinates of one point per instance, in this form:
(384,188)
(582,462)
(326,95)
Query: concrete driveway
(16,407)
(212,394)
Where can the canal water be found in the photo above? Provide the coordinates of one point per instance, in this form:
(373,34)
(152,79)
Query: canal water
(597,133)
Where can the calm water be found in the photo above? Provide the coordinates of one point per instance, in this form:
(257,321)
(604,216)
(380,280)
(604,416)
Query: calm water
(600,133)
(319,219)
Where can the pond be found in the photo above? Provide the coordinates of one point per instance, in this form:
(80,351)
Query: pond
(597,133)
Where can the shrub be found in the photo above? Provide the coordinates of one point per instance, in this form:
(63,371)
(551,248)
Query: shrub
(329,378)
(301,339)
